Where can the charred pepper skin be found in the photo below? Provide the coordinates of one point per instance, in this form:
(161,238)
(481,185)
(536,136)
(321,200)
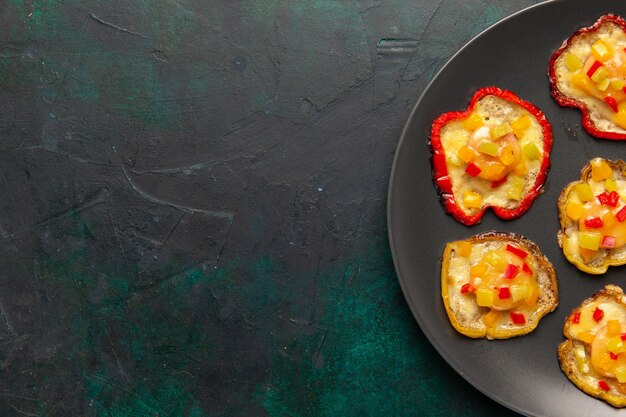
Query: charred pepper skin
(567,101)
(440,170)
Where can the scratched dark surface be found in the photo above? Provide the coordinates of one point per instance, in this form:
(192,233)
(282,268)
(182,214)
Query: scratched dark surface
(192,207)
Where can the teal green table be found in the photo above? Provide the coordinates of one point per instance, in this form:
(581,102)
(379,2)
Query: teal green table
(192,211)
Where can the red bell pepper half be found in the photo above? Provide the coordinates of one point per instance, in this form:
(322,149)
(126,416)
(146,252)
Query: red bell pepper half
(440,170)
(567,101)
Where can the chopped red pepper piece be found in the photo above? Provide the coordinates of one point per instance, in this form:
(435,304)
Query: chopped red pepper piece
(441,176)
(608,242)
(511,271)
(598,314)
(520,253)
(467,288)
(594,223)
(496,184)
(504,293)
(621,214)
(611,102)
(594,67)
(527,269)
(608,199)
(518,318)
(473,169)
(603,385)
(576,317)
(623,336)
(613,356)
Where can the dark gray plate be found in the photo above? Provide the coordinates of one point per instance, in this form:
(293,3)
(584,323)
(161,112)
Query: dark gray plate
(521,373)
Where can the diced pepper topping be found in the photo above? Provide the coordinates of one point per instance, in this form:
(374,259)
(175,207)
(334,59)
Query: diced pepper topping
(620,118)
(488,148)
(593,223)
(494,259)
(581,358)
(511,271)
(527,269)
(594,67)
(602,384)
(610,184)
(613,356)
(609,220)
(473,169)
(465,248)
(516,251)
(589,240)
(493,170)
(621,214)
(574,210)
(504,293)
(531,151)
(520,124)
(615,345)
(598,314)
(603,85)
(611,102)
(585,337)
(466,154)
(608,199)
(484,297)
(472,199)
(576,317)
(613,328)
(608,242)
(517,187)
(572,62)
(599,75)
(617,84)
(601,50)
(584,192)
(519,292)
(600,170)
(496,184)
(491,318)
(518,318)
(507,156)
(466,288)
(620,374)
(478,270)
(500,130)
(473,122)
(623,336)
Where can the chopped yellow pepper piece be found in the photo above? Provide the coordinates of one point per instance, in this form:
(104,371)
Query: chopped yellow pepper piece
(491,318)
(610,184)
(472,199)
(484,297)
(520,125)
(609,220)
(620,118)
(531,151)
(600,74)
(519,292)
(589,240)
(473,122)
(478,270)
(489,148)
(615,345)
(586,337)
(620,374)
(572,62)
(507,156)
(603,85)
(500,130)
(495,260)
(600,170)
(613,328)
(601,50)
(465,248)
(517,187)
(574,210)
(617,84)
(581,358)
(466,154)
(584,192)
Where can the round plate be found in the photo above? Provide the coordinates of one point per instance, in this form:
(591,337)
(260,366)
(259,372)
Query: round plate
(521,373)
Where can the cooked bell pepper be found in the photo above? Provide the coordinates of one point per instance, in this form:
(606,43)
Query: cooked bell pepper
(598,314)
(441,175)
(594,77)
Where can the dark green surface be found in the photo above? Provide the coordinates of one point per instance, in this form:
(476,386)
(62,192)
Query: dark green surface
(192,211)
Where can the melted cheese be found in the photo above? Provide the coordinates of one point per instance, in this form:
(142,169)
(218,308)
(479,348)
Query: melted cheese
(611,309)
(494,111)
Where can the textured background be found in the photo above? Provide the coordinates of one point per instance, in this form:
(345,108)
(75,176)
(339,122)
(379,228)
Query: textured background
(192,207)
